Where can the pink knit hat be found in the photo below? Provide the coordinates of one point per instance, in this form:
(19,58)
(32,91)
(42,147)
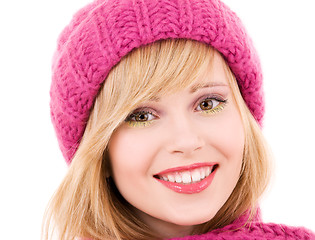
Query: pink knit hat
(106,30)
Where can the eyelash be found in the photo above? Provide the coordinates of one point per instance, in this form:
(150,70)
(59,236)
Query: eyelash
(134,123)
(131,119)
(218,108)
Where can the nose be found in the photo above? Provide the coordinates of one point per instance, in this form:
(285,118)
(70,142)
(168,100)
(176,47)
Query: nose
(185,137)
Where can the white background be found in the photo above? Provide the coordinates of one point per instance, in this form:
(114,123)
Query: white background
(32,165)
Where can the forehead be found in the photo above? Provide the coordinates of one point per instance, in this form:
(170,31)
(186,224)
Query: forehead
(161,69)
(214,75)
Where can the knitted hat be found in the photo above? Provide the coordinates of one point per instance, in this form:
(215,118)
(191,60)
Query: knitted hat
(103,32)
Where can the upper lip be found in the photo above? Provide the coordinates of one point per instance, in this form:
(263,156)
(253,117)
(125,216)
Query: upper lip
(186,168)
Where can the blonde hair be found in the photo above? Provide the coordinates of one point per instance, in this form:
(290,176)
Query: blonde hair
(87,203)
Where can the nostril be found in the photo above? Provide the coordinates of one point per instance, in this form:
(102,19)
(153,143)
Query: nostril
(186,145)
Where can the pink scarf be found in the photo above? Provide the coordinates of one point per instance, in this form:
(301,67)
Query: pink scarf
(256,229)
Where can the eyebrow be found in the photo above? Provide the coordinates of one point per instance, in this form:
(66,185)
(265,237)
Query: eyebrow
(196,87)
(154,99)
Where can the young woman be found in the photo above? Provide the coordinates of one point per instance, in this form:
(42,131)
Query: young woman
(157,106)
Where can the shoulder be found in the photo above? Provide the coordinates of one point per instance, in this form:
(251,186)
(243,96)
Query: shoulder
(257,231)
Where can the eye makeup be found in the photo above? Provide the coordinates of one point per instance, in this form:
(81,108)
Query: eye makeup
(211,104)
(140,118)
(207,104)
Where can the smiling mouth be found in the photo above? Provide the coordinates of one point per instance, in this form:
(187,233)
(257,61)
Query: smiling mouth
(190,179)
(187,176)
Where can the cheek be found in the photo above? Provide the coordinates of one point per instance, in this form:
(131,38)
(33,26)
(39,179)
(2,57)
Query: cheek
(232,144)
(131,157)
(229,143)
(130,154)
(233,137)
(228,135)
(228,139)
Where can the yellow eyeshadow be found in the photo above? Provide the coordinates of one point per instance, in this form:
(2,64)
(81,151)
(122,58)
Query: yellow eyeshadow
(139,124)
(215,110)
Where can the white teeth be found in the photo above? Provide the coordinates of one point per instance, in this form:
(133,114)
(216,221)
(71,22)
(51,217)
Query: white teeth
(195,176)
(202,173)
(186,177)
(208,171)
(171,178)
(178,178)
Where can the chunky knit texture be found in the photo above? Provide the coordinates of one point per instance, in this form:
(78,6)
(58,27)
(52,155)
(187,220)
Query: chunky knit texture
(242,229)
(106,30)
(257,230)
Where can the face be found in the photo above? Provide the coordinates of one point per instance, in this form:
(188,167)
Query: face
(177,159)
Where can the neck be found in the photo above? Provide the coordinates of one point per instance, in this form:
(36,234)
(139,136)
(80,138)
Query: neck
(166,229)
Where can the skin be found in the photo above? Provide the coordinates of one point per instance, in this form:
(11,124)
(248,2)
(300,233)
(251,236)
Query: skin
(176,131)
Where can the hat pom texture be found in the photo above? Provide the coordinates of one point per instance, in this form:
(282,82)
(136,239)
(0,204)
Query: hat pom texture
(103,32)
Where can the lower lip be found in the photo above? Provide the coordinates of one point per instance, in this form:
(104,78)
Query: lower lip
(189,188)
